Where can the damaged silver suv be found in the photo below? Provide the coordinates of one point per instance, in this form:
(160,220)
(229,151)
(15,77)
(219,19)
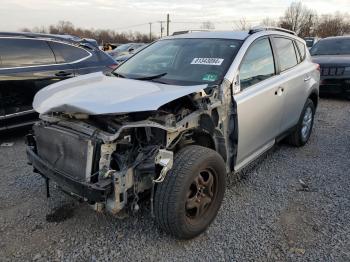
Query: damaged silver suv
(172,121)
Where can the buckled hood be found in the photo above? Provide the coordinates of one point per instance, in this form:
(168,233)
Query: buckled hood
(96,94)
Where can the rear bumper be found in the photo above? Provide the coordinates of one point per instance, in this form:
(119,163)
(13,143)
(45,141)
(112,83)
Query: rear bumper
(97,192)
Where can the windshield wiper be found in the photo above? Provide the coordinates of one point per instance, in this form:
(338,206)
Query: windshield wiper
(151,77)
(118,75)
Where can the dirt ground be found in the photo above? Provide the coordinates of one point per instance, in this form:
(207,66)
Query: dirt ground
(293,204)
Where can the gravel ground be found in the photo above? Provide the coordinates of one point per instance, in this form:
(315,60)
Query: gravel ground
(266,216)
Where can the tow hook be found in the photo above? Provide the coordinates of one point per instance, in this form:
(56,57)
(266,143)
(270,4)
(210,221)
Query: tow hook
(165,159)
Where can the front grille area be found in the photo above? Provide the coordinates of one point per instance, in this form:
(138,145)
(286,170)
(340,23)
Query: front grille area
(332,71)
(335,86)
(66,151)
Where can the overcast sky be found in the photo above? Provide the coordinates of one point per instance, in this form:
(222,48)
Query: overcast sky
(124,15)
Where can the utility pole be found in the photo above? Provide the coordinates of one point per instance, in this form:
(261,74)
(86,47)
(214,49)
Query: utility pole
(161,28)
(167,24)
(150,32)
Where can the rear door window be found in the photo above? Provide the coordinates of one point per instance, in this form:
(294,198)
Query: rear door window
(285,53)
(67,53)
(258,64)
(301,48)
(15,52)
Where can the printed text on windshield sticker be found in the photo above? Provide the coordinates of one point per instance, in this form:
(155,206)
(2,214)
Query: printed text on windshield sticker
(207,61)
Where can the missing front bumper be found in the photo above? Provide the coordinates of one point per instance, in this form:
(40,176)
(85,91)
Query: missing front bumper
(90,192)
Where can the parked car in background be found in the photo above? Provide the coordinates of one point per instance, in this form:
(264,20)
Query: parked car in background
(311,41)
(108,47)
(333,56)
(29,62)
(122,58)
(124,49)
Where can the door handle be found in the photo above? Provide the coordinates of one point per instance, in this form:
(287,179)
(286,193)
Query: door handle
(279,91)
(307,78)
(63,73)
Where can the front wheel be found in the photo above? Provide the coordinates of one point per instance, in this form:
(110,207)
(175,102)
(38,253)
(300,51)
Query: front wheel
(302,133)
(189,198)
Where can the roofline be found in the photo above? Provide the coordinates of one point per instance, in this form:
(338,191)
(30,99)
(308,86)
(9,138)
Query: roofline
(67,38)
(71,39)
(241,35)
(335,37)
(270,28)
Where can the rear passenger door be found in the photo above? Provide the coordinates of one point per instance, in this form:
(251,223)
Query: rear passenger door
(259,103)
(27,65)
(294,73)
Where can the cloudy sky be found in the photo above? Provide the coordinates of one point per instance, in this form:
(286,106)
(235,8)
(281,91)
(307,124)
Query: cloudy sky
(124,15)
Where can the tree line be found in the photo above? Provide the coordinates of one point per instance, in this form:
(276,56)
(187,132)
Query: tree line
(100,35)
(297,17)
(306,22)
(300,19)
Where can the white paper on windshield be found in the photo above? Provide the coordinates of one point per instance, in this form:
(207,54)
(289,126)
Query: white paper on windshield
(207,61)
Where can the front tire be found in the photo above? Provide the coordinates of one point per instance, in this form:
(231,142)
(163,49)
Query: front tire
(302,133)
(189,198)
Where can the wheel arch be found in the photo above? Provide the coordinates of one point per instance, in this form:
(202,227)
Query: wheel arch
(206,134)
(314,97)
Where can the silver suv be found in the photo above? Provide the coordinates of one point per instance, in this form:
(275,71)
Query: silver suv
(172,121)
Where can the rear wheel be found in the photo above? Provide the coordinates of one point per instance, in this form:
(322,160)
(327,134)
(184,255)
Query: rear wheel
(302,133)
(189,198)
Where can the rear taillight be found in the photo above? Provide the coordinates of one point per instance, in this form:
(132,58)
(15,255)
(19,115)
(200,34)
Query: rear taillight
(113,66)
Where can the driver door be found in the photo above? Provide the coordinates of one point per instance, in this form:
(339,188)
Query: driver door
(259,102)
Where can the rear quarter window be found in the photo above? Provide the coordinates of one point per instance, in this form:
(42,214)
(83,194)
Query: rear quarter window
(65,53)
(15,52)
(301,48)
(285,53)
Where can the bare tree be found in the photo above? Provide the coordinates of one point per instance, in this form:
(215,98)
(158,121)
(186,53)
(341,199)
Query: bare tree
(40,29)
(242,25)
(101,36)
(333,25)
(65,27)
(267,21)
(299,19)
(208,25)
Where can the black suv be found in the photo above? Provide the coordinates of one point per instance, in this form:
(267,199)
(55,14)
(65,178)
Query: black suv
(29,62)
(333,56)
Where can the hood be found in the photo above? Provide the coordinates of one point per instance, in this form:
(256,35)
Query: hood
(96,94)
(343,60)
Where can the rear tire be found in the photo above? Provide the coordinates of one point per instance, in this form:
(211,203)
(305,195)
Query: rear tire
(302,133)
(189,198)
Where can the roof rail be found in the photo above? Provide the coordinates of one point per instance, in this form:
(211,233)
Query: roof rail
(272,28)
(189,31)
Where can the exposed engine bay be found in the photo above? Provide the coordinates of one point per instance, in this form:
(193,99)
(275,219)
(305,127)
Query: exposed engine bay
(120,158)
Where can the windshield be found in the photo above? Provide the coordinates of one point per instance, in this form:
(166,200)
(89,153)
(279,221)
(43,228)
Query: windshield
(182,61)
(340,46)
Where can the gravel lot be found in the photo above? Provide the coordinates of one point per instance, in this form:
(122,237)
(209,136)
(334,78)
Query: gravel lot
(266,216)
